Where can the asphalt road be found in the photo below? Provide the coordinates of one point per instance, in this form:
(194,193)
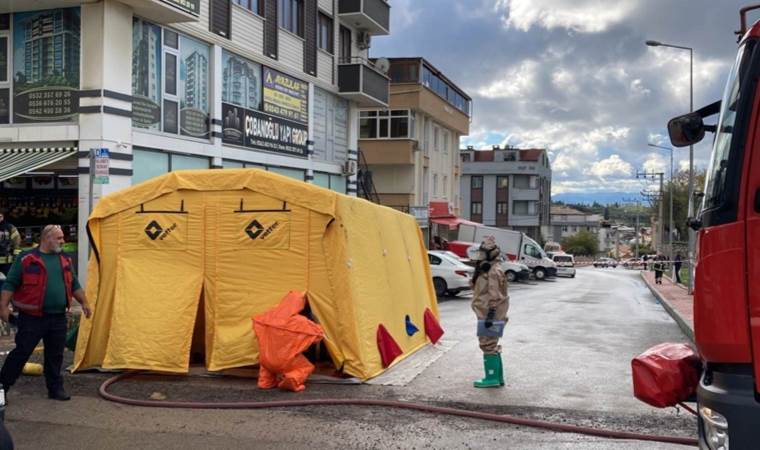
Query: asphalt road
(567,354)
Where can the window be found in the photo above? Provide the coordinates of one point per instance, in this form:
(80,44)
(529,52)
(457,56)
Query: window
(384,124)
(476,208)
(291,16)
(520,208)
(466,157)
(501,208)
(325,33)
(256,6)
(564,228)
(532,251)
(445,141)
(147,164)
(345,45)
(522,181)
(445,189)
(502,182)
(435,138)
(534,182)
(444,90)
(183,162)
(476,182)
(510,156)
(434,260)
(296,174)
(404,72)
(435,186)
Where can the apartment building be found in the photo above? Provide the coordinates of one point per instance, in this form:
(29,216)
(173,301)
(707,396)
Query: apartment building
(411,147)
(508,188)
(163,85)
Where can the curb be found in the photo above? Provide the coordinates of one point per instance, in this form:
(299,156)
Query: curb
(669,308)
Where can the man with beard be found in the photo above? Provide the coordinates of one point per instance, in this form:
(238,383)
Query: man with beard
(41,283)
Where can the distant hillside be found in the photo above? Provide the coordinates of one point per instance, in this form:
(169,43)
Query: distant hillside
(603,198)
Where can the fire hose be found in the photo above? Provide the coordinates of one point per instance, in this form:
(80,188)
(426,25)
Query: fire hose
(457,412)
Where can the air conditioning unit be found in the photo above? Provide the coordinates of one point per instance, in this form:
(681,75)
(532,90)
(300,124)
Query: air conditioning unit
(350,167)
(364,40)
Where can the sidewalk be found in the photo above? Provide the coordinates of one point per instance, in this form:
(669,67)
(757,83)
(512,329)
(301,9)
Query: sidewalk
(675,299)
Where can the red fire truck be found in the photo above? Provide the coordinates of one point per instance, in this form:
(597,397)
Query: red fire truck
(727,257)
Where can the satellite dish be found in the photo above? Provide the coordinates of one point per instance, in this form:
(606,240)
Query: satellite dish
(382,64)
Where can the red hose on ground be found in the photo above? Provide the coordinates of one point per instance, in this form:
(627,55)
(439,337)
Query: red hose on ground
(563,428)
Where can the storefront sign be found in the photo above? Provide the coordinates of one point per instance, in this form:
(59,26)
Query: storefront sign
(145,112)
(46,48)
(286,96)
(253,129)
(102,165)
(191,6)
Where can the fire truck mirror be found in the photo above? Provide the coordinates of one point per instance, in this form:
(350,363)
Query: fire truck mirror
(686,130)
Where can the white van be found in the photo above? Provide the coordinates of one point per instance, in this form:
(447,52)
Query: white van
(565,264)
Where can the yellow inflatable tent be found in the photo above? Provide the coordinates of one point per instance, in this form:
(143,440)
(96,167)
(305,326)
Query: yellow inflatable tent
(208,249)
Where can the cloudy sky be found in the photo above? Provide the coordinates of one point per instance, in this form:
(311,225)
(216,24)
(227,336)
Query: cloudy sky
(574,76)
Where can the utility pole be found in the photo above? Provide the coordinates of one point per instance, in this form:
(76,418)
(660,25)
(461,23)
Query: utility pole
(652,175)
(636,233)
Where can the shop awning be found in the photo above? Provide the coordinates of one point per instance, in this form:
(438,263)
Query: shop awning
(452,222)
(18,161)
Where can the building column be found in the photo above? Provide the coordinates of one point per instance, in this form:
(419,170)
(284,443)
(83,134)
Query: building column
(353,146)
(105,118)
(215,99)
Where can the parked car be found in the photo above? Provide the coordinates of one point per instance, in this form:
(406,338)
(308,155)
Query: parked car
(565,264)
(633,263)
(606,262)
(450,274)
(515,271)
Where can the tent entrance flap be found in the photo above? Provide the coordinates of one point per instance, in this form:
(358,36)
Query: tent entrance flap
(198,344)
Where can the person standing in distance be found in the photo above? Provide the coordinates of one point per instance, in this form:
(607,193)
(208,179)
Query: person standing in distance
(10,244)
(490,303)
(41,283)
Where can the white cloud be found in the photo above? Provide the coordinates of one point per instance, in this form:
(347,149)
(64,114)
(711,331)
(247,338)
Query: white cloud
(586,16)
(611,167)
(515,83)
(657,163)
(585,186)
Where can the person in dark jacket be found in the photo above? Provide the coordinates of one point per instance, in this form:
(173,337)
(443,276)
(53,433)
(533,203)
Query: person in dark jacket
(659,267)
(677,265)
(41,283)
(10,244)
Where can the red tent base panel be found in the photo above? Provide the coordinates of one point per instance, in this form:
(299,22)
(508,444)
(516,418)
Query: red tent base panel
(389,349)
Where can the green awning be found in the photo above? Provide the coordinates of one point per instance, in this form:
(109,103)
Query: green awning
(18,161)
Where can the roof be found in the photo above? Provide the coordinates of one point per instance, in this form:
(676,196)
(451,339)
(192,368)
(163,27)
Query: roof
(532,154)
(567,211)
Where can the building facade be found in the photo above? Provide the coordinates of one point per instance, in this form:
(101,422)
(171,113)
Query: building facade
(272,84)
(566,221)
(508,188)
(411,147)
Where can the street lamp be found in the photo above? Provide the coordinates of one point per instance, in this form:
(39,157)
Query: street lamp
(691,147)
(670,226)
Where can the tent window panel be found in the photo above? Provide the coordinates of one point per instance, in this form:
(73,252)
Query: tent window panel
(148,164)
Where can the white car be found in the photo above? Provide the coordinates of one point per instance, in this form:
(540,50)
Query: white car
(450,274)
(515,271)
(565,265)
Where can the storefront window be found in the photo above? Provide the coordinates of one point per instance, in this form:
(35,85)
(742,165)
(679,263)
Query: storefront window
(184,162)
(297,174)
(148,164)
(338,183)
(227,164)
(322,179)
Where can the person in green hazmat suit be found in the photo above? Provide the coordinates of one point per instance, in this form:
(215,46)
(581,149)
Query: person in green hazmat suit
(490,303)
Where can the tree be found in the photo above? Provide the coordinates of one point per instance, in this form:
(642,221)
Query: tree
(680,185)
(582,243)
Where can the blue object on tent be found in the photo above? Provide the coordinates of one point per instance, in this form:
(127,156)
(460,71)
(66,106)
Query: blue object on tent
(410,327)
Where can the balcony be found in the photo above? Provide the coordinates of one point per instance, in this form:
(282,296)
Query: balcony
(360,82)
(372,16)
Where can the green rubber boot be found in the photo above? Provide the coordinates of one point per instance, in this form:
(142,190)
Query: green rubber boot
(492,365)
(501,371)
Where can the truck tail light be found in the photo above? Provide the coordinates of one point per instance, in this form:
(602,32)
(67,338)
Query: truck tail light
(463,273)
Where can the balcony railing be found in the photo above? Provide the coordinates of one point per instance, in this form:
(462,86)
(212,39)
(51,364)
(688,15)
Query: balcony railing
(361,82)
(371,16)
